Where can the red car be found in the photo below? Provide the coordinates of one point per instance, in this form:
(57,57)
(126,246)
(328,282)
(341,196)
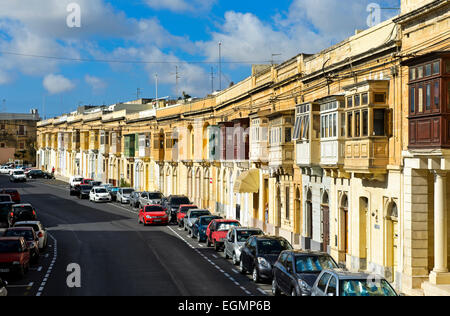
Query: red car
(217,231)
(14,255)
(86,182)
(153,215)
(30,237)
(182,211)
(15,196)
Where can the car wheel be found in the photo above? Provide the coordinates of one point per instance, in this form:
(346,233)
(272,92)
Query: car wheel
(294,292)
(192,234)
(275,290)
(255,275)
(242,268)
(235,259)
(216,247)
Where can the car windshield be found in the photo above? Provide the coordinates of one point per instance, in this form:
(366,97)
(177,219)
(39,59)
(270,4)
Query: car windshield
(9,246)
(127,191)
(198,214)
(23,209)
(244,235)
(5,198)
(27,234)
(153,209)
(226,226)
(155,196)
(272,246)
(204,221)
(313,264)
(186,209)
(366,288)
(101,191)
(179,201)
(18,172)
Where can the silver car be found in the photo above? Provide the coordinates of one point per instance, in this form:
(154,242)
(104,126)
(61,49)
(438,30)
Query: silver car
(3,285)
(342,283)
(150,198)
(124,194)
(236,239)
(192,216)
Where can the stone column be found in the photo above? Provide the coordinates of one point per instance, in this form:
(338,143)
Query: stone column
(440,274)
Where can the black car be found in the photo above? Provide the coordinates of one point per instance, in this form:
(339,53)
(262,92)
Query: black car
(48,175)
(172,204)
(36,174)
(296,271)
(113,192)
(21,213)
(259,255)
(5,211)
(83,191)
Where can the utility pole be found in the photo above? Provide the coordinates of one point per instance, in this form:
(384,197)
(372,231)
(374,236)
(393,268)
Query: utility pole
(220,65)
(138,93)
(156,85)
(212,79)
(177,77)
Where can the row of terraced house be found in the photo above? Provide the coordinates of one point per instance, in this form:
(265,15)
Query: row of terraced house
(344,151)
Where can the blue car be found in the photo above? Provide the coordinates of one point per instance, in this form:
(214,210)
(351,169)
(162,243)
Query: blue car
(200,226)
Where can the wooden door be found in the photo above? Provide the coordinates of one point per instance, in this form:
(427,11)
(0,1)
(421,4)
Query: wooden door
(326,227)
(346,231)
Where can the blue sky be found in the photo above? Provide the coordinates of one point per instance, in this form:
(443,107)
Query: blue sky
(140,38)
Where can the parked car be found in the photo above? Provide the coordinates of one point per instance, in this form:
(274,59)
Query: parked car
(30,237)
(217,231)
(295,272)
(182,211)
(95,184)
(99,194)
(4,170)
(18,176)
(73,183)
(48,175)
(123,195)
(236,239)
(14,255)
(39,229)
(199,227)
(5,211)
(113,192)
(84,191)
(192,216)
(172,203)
(35,174)
(86,182)
(15,196)
(134,199)
(342,283)
(5,198)
(153,214)
(259,255)
(22,212)
(3,290)
(150,198)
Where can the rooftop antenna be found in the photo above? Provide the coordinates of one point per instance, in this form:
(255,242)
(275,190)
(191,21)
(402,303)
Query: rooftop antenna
(220,65)
(177,77)
(138,93)
(212,79)
(156,85)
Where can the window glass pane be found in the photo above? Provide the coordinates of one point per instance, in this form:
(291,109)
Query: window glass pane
(322,124)
(436,94)
(412,74)
(378,123)
(365,98)
(436,68)
(357,124)
(342,125)
(412,98)
(306,128)
(420,99)
(428,97)
(448,95)
(349,125)
(365,126)
(428,70)
(380,98)
(447,66)
(335,125)
(288,136)
(420,72)
(350,102)
(357,100)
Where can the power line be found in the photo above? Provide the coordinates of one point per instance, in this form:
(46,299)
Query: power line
(131,61)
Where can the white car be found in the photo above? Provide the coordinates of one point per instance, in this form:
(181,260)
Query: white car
(75,180)
(3,285)
(124,194)
(18,176)
(4,170)
(39,229)
(99,194)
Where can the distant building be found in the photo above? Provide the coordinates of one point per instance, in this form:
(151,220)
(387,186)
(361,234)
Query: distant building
(18,137)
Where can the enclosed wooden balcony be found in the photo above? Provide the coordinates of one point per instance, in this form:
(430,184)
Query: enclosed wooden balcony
(144,145)
(129,149)
(94,140)
(369,126)
(104,143)
(116,144)
(307,134)
(259,139)
(76,139)
(281,147)
(157,151)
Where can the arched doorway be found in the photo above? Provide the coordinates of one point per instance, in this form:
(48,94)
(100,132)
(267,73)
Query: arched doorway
(325,213)
(364,238)
(344,231)
(297,212)
(309,214)
(278,201)
(189,184)
(392,238)
(206,188)
(198,187)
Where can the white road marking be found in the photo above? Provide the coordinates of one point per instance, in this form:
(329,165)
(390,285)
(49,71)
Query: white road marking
(215,256)
(262,291)
(49,270)
(235,271)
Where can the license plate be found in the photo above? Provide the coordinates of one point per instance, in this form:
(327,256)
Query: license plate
(157,220)
(4,270)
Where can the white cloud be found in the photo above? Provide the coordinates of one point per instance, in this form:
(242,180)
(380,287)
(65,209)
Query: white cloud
(96,84)
(56,84)
(182,5)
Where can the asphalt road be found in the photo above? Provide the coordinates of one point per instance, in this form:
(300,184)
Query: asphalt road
(116,255)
